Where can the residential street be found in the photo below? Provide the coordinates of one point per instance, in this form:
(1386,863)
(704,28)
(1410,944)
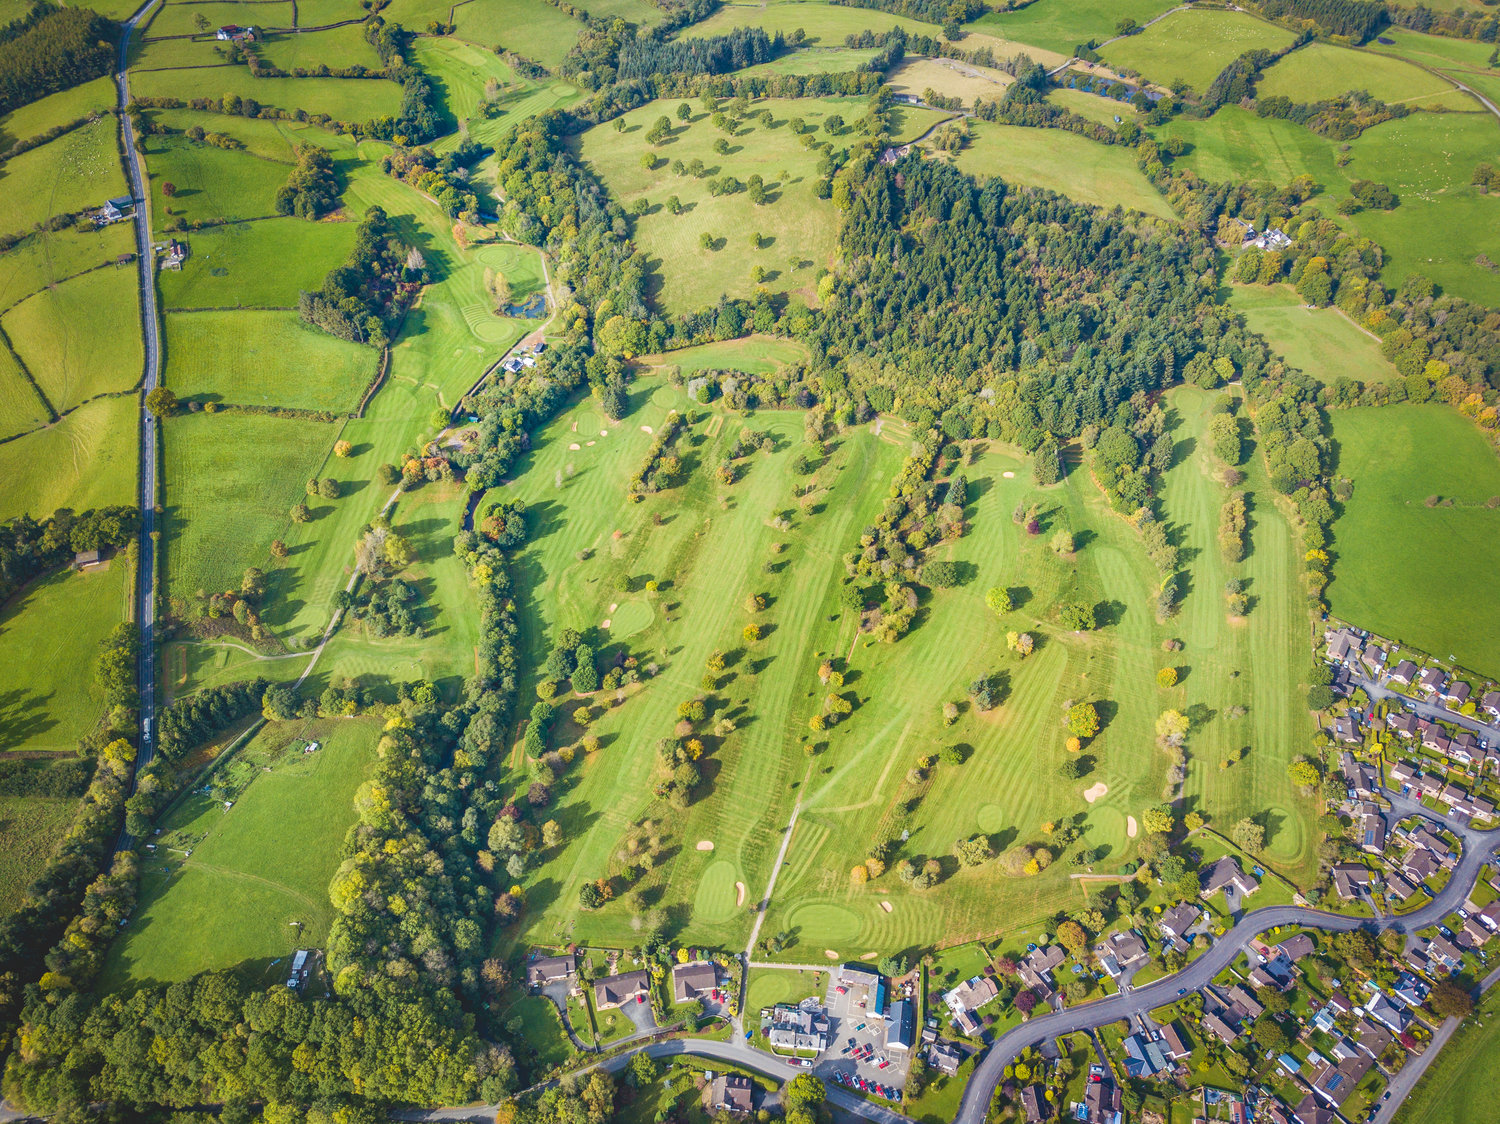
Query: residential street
(1433,712)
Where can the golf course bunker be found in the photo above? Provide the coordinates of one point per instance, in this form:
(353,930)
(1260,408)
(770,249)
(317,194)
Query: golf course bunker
(1008,475)
(573,448)
(887,906)
(830,953)
(705,845)
(1095,791)
(715,898)
(1130,827)
(991,818)
(824,921)
(605,623)
(739,894)
(631,618)
(646,429)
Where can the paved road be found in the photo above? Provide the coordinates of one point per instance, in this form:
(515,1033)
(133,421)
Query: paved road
(1433,712)
(150,334)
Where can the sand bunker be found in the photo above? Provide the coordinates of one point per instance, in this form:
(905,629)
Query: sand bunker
(887,906)
(590,444)
(705,845)
(739,894)
(605,623)
(604,433)
(1008,475)
(613,605)
(575,446)
(828,952)
(645,429)
(1096,791)
(1130,827)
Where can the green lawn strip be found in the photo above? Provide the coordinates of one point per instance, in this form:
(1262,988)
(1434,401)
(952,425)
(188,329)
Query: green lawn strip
(88,459)
(1194,46)
(755,355)
(1322,342)
(155,72)
(1388,577)
(262,264)
(246,358)
(1060,25)
(255,867)
(1102,175)
(50,635)
(30,829)
(815,60)
(187,665)
(80,338)
(770,986)
(63,108)
(78,170)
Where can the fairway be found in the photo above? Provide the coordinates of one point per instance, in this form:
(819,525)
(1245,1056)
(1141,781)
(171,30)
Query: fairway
(1084,170)
(1061,25)
(264,359)
(81,338)
(255,868)
(801,228)
(49,636)
(90,457)
(1320,71)
(756,355)
(1322,342)
(261,264)
(1420,575)
(1194,46)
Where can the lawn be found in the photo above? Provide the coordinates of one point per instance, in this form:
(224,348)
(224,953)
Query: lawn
(61,108)
(255,884)
(544,1043)
(1194,46)
(1323,342)
(1084,170)
(1321,70)
(769,986)
(81,338)
(756,355)
(802,229)
(89,458)
(264,359)
(1420,575)
(30,829)
(1061,25)
(50,635)
(212,184)
(1462,1084)
(261,264)
(78,170)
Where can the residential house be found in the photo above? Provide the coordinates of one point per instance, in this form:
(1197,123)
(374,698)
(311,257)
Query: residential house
(1403,773)
(1333,1083)
(732,1092)
(967,998)
(544,970)
(1296,947)
(1220,1029)
(1373,657)
(1175,923)
(616,991)
(1372,1039)
(1144,1057)
(1489,916)
(1440,950)
(945,1057)
(1101,1098)
(1434,737)
(1420,864)
(1402,723)
(1463,747)
(1385,1010)
(696,979)
(1410,989)
(1403,673)
(1034,1104)
(1398,887)
(1456,693)
(1309,1111)
(1174,1042)
(1350,880)
(1245,1005)
(1341,645)
(1127,949)
(1346,729)
(1432,680)
(1490,704)
(1371,829)
(1036,969)
(1363,781)
(234,33)
(1226,875)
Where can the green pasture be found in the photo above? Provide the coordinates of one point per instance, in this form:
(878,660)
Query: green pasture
(262,264)
(21,408)
(320,13)
(1092,106)
(45,257)
(255,886)
(755,355)
(1194,46)
(1323,342)
(248,358)
(36,118)
(1440,51)
(31,827)
(87,459)
(1237,144)
(81,338)
(1462,1083)
(212,184)
(532,28)
(1321,70)
(176,16)
(334,48)
(1421,575)
(1060,25)
(815,60)
(1084,170)
(343,99)
(231,479)
(265,137)
(802,228)
(49,636)
(78,170)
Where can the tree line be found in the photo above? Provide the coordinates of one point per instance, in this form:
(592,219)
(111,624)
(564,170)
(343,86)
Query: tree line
(31,547)
(1355,19)
(51,49)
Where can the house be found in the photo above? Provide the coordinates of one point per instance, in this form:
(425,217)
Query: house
(1420,864)
(1402,723)
(1339,1004)
(1490,704)
(1144,1057)
(176,254)
(1174,1043)
(945,1057)
(1489,916)
(1309,1111)
(1464,748)
(1101,1097)
(1456,693)
(1220,1029)
(1346,729)
(1226,875)
(1383,1009)
(1350,880)
(1296,947)
(1260,977)
(1037,966)
(1443,951)
(967,998)
(1341,645)
(1034,1104)
(1334,1083)
(1373,658)
(1361,776)
(544,970)
(234,33)
(616,991)
(901,1036)
(798,1029)
(1432,680)
(85,559)
(1175,922)
(1403,673)
(732,1092)
(1434,737)
(1245,1005)
(1398,887)
(1372,831)
(1372,1039)
(1403,773)
(1120,952)
(1409,989)
(114,210)
(694,980)
(891,155)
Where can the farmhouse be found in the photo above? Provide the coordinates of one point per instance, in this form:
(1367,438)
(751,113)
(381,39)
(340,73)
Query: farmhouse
(114,210)
(693,980)
(544,970)
(234,33)
(176,253)
(732,1092)
(1226,875)
(616,991)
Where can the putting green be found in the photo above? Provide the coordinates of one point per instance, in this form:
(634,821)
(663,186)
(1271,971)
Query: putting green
(589,424)
(1108,828)
(821,923)
(715,898)
(991,818)
(629,618)
(666,396)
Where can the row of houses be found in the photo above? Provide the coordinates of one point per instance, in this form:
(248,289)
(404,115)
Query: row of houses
(1353,650)
(694,980)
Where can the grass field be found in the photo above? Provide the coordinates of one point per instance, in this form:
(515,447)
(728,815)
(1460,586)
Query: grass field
(1321,70)
(1194,46)
(1462,1084)
(1323,342)
(50,635)
(917,75)
(1092,106)
(1060,25)
(88,459)
(80,169)
(21,408)
(1102,175)
(334,48)
(756,355)
(58,109)
(263,864)
(30,829)
(815,60)
(176,16)
(344,99)
(532,28)
(264,359)
(213,184)
(257,264)
(1420,575)
(802,228)
(46,257)
(82,337)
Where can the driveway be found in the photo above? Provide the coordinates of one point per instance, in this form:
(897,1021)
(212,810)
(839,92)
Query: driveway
(558,993)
